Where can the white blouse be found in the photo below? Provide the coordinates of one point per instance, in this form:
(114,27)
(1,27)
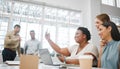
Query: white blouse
(90,48)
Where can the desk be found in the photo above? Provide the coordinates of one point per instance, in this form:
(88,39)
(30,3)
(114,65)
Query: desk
(41,66)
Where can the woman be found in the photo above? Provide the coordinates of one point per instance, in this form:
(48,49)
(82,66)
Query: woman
(101,18)
(108,31)
(82,37)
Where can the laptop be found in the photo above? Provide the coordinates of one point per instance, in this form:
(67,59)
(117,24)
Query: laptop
(46,58)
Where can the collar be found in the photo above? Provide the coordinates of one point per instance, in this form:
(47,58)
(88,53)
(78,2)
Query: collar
(110,42)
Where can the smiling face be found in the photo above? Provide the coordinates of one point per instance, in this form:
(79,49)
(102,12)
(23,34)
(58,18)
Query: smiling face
(79,36)
(98,22)
(104,32)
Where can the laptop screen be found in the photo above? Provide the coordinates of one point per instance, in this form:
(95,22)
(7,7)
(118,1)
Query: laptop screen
(45,56)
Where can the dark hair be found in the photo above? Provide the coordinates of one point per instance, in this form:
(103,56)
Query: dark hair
(17,26)
(32,31)
(115,34)
(86,32)
(103,17)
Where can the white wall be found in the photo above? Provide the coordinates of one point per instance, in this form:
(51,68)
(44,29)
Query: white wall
(95,10)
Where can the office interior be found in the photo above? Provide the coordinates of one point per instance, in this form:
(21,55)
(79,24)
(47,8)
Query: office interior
(60,18)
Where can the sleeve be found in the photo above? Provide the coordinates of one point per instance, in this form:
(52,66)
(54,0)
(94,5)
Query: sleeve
(93,50)
(38,46)
(9,40)
(70,48)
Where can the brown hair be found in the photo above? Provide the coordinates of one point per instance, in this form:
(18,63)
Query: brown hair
(17,26)
(103,17)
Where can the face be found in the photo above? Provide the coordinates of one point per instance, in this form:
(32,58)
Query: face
(98,23)
(79,36)
(32,34)
(17,29)
(104,32)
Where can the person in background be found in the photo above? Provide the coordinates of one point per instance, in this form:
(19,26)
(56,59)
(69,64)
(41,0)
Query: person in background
(108,31)
(11,44)
(82,36)
(100,19)
(32,46)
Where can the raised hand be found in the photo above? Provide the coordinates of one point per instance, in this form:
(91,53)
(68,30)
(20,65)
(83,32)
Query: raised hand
(47,36)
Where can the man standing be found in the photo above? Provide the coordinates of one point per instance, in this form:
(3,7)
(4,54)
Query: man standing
(32,46)
(11,44)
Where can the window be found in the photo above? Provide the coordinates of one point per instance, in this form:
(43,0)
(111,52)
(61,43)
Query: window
(116,20)
(26,27)
(61,23)
(63,37)
(63,16)
(3,30)
(52,30)
(118,3)
(109,2)
(27,9)
(50,13)
(5,6)
(75,18)
(115,3)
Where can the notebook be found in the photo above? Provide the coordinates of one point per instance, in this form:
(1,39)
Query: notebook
(12,62)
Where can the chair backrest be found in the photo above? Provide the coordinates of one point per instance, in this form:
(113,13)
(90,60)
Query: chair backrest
(29,62)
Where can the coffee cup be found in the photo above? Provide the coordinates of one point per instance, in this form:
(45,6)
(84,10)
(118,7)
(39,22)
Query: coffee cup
(85,61)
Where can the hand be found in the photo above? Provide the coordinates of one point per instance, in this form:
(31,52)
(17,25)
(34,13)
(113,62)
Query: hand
(61,58)
(18,38)
(36,53)
(103,43)
(47,36)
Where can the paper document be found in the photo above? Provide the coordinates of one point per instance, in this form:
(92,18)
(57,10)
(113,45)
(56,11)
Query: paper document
(13,62)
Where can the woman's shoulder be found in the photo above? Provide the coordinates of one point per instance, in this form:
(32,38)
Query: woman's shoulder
(75,45)
(117,43)
(91,45)
(71,48)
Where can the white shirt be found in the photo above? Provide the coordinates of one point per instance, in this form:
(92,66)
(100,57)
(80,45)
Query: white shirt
(90,48)
(32,46)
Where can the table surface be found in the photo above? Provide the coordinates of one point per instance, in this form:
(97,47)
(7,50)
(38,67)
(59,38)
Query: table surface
(41,66)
